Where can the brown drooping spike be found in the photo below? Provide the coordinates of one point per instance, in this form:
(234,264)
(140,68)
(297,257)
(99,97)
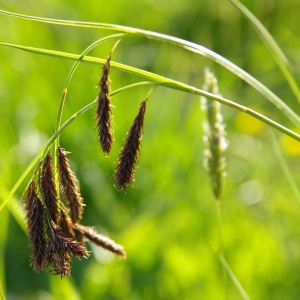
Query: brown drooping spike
(104,112)
(69,187)
(48,189)
(35,217)
(92,235)
(60,250)
(128,156)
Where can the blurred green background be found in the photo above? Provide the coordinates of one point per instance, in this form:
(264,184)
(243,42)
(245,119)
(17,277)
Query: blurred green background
(167,222)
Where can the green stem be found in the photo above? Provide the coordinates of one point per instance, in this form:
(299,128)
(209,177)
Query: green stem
(220,234)
(64,94)
(180,43)
(284,166)
(233,277)
(280,58)
(173,84)
(57,133)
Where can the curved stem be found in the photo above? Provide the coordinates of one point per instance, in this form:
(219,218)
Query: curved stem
(57,133)
(280,58)
(193,90)
(64,94)
(180,43)
(165,82)
(173,84)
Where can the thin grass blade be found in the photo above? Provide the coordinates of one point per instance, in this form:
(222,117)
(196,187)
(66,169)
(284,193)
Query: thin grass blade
(4,222)
(284,166)
(232,276)
(64,289)
(271,44)
(182,44)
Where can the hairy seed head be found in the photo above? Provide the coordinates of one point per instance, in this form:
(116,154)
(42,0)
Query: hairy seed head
(48,189)
(69,186)
(104,112)
(35,217)
(128,156)
(60,250)
(214,137)
(92,235)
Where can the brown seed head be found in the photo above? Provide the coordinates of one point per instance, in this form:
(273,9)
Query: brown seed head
(66,225)
(60,250)
(92,235)
(69,187)
(104,112)
(128,156)
(35,217)
(48,189)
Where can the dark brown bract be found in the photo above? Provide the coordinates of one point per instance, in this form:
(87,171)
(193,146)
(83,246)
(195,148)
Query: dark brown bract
(48,189)
(35,217)
(68,183)
(128,157)
(104,112)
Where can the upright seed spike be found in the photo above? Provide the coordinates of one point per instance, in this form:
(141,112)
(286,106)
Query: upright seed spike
(214,137)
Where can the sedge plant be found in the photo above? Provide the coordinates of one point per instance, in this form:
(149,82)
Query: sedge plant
(53,202)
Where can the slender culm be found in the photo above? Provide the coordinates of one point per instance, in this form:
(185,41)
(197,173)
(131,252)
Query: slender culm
(214,137)
(48,189)
(35,217)
(104,112)
(128,156)
(92,235)
(69,186)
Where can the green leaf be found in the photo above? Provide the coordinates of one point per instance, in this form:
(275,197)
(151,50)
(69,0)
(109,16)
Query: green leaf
(180,43)
(284,167)
(271,44)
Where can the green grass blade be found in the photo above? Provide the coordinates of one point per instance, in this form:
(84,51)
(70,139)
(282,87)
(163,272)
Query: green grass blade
(15,208)
(64,289)
(4,222)
(173,84)
(64,94)
(1,291)
(271,44)
(190,90)
(233,277)
(23,176)
(231,274)
(180,43)
(284,166)
(54,137)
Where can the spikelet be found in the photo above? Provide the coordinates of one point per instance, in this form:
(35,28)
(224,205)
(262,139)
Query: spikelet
(69,187)
(35,217)
(104,112)
(214,138)
(92,235)
(128,156)
(60,250)
(48,189)
(66,225)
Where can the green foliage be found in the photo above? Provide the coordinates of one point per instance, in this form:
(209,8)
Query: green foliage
(167,222)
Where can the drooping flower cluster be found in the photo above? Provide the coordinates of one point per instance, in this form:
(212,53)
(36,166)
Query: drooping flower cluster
(54,209)
(53,223)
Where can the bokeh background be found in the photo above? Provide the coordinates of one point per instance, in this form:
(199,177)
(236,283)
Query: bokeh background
(167,221)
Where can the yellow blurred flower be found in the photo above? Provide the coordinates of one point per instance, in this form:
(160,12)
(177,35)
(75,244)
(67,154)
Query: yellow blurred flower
(247,124)
(290,146)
